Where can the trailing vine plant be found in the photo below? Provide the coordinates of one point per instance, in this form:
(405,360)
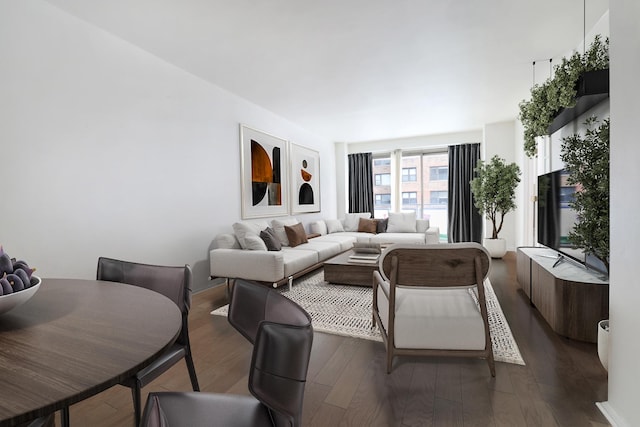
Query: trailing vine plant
(587,160)
(559,91)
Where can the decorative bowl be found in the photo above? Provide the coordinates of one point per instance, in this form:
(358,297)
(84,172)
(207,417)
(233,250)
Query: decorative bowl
(11,301)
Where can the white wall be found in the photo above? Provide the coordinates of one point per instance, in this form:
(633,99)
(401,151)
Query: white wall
(108,150)
(624,293)
(499,138)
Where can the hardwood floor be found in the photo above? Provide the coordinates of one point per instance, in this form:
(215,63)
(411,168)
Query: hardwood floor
(347,384)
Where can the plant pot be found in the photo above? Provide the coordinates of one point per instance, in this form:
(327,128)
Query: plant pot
(603,343)
(497,248)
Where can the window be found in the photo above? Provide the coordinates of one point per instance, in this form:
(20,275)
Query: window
(381,162)
(383,179)
(409,198)
(439,173)
(409,174)
(383,199)
(566,196)
(439,197)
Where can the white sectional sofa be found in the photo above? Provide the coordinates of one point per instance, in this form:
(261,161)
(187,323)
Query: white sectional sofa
(244,254)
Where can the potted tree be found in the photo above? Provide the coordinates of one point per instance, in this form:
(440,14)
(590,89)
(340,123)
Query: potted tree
(586,157)
(494,192)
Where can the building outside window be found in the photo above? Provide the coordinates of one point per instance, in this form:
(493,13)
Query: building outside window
(409,175)
(383,179)
(439,197)
(409,198)
(439,173)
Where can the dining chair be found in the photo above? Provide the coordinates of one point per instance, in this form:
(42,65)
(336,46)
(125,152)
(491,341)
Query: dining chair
(429,300)
(175,284)
(282,335)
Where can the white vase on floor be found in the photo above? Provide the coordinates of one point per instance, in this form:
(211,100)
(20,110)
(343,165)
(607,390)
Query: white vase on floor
(603,343)
(497,248)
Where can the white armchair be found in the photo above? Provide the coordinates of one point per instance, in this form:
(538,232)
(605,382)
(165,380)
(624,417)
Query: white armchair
(423,301)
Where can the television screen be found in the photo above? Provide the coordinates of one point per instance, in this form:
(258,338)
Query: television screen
(556,218)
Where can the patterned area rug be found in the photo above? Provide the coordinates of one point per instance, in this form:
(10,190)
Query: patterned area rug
(346,310)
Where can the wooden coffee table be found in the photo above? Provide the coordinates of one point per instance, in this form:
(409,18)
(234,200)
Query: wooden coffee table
(340,270)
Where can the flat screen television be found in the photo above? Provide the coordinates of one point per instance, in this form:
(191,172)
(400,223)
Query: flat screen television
(556,218)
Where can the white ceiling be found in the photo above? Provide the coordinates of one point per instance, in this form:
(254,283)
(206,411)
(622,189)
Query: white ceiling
(357,70)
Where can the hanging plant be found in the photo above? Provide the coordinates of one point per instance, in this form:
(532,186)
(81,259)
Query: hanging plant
(587,160)
(559,92)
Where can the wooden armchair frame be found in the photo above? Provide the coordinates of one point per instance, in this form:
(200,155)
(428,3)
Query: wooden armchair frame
(434,266)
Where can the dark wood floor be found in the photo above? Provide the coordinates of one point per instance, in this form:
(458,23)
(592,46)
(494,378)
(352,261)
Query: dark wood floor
(347,384)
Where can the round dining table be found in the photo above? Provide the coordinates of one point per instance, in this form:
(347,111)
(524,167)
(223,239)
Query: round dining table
(75,338)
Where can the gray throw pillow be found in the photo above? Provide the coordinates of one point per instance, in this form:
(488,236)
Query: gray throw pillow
(270,239)
(382,225)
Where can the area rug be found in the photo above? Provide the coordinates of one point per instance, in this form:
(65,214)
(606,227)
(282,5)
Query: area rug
(346,310)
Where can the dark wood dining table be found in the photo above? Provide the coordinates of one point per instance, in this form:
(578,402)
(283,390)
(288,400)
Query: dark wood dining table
(75,338)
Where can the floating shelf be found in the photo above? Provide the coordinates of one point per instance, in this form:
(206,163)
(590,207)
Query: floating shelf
(592,89)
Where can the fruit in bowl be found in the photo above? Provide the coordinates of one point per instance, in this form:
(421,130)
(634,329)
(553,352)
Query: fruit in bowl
(17,282)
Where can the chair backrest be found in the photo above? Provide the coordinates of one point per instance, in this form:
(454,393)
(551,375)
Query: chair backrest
(443,264)
(282,335)
(172,282)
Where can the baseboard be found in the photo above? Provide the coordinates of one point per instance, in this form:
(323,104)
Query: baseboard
(610,414)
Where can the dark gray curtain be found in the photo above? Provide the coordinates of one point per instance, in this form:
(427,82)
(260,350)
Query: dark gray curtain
(465,223)
(361,183)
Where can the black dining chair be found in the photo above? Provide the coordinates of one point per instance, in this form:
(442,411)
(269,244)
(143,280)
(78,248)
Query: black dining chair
(175,284)
(282,336)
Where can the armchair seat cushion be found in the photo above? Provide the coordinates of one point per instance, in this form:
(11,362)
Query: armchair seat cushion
(436,318)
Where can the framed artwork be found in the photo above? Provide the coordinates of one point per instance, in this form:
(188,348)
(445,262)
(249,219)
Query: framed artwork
(264,179)
(305,179)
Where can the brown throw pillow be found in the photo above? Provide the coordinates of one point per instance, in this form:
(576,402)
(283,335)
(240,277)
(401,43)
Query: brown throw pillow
(270,239)
(295,234)
(368,225)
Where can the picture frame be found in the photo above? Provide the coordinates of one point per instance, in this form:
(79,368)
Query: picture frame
(264,174)
(305,179)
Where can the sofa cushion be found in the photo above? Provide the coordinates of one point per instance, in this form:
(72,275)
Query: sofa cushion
(346,242)
(296,260)
(382,225)
(434,318)
(401,222)
(324,249)
(334,226)
(270,239)
(351,220)
(422,225)
(295,234)
(368,225)
(254,243)
(248,228)
(278,227)
(390,238)
(226,241)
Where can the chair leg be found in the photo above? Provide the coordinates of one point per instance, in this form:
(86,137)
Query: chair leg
(135,393)
(192,371)
(389,360)
(64,417)
(492,365)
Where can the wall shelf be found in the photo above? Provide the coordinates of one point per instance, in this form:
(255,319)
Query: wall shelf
(592,89)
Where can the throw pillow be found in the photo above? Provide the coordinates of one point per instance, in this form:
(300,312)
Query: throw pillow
(278,227)
(334,226)
(295,234)
(351,220)
(401,222)
(368,225)
(248,228)
(255,243)
(319,227)
(270,239)
(382,225)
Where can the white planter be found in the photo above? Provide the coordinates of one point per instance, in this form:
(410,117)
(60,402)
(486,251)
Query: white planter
(603,343)
(497,248)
